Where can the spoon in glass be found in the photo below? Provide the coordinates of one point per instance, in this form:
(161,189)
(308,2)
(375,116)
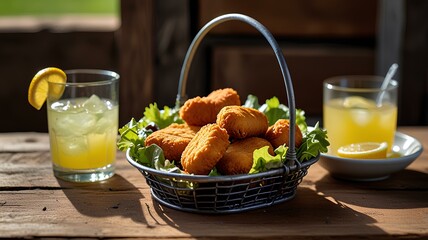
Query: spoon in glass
(391,72)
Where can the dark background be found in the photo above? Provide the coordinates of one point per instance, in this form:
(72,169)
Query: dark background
(319,38)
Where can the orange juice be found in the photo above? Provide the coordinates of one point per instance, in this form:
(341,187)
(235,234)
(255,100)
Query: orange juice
(356,119)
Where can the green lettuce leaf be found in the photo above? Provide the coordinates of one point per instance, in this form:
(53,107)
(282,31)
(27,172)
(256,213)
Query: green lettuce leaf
(162,119)
(274,111)
(152,156)
(214,172)
(252,102)
(263,161)
(314,142)
(133,134)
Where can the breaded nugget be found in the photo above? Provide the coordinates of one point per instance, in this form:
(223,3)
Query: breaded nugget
(201,111)
(205,149)
(238,158)
(173,139)
(241,122)
(278,133)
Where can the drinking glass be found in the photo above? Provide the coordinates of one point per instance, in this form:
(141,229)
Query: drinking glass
(83,118)
(356,110)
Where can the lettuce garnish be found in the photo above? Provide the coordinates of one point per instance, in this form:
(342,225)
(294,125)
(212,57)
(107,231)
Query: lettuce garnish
(162,119)
(314,142)
(274,110)
(133,134)
(263,161)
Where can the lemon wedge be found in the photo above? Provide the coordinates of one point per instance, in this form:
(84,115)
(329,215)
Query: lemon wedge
(358,102)
(367,150)
(38,90)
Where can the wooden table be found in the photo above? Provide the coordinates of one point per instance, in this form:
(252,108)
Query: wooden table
(34,204)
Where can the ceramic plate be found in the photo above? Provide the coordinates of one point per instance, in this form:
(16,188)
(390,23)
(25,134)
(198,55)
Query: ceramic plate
(406,148)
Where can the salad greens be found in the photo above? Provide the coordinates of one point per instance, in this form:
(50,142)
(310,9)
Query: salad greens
(263,161)
(314,142)
(274,110)
(133,134)
(162,119)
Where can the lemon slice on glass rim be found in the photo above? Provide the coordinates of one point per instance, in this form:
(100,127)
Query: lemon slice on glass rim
(366,150)
(38,89)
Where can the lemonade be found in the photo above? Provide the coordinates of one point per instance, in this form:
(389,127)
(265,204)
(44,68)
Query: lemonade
(83,133)
(355,119)
(82,106)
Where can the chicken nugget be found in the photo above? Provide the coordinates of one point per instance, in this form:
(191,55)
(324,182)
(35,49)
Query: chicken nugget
(238,158)
(242,122)
(201,111)
(278,133)
(205,150)
(172,139)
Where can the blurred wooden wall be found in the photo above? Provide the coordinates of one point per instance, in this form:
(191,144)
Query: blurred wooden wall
(23,54)
(319,39)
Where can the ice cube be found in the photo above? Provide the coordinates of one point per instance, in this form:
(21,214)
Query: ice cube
(74,145)
(103,125)
(107,121)
(361,117)
(76,124)
(94,105)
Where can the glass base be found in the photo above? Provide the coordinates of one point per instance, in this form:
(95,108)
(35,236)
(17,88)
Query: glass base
(89,175)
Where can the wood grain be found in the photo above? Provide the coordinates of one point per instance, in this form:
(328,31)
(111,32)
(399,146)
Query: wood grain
(136,45)
(315,18)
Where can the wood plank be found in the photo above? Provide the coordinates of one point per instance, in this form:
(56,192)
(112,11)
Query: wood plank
(119,213)
(136,41)
(24,54)
(414,78)
(17,142)
(316,18)
(35,204)
(254,70)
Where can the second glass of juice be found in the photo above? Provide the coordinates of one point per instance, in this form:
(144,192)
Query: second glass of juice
(355,110)
(83,125)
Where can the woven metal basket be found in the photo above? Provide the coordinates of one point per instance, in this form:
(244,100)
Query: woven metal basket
(234,193)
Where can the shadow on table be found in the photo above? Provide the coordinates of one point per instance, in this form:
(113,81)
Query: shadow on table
(405,189)
(112,197)
(308,214)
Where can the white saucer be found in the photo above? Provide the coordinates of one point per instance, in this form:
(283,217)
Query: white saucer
(405,146)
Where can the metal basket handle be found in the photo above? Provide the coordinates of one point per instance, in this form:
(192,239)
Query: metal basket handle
(181,96)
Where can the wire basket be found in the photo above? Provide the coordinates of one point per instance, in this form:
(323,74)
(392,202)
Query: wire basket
(234,193)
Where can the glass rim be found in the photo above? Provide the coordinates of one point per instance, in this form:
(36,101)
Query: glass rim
(114,77)
(333,83)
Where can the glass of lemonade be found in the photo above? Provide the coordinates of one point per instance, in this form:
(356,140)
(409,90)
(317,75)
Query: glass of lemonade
(355,110)
(83,125)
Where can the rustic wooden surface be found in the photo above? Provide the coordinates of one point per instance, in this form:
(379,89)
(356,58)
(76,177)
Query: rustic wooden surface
(34,204)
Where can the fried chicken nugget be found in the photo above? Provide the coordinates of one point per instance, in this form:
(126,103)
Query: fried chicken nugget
(173,139)
(201,111)
(278,133)
(205,149)
(238,158)
(241,122)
